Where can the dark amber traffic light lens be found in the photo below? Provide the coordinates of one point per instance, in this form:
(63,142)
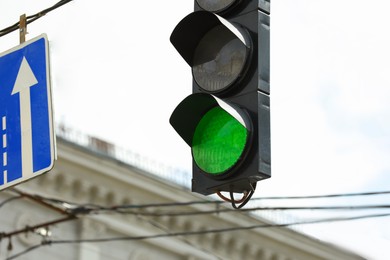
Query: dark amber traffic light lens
(215,6)
(219,60)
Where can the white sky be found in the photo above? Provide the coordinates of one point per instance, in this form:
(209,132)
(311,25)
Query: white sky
(116,76)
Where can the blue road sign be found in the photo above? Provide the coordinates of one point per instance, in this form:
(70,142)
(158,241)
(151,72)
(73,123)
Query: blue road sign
(27,140)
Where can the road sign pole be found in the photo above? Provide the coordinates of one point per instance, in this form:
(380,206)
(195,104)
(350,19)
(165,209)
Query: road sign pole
(22,28)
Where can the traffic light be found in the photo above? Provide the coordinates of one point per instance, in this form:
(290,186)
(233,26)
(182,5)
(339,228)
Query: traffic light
(226,119)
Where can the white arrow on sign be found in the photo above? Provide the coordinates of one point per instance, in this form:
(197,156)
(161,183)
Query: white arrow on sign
(24,80)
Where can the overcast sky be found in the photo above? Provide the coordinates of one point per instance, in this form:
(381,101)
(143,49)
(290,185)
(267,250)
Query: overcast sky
(116,76)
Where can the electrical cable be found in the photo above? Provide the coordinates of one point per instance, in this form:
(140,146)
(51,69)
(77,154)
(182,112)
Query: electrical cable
(249,196)
(95,209)
(34,227)
(166,230)
(25,251)
(32,18)
(192,233)
(85,211)
(209,231)
(87,208)
(227,210)
(242,202)
(232,200)
(205,202)
(324,196)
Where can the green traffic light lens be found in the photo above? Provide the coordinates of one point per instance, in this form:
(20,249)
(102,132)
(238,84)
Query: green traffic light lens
(219,141)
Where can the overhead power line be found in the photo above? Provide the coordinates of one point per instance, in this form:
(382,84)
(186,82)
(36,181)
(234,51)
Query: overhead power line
(221,230)
(193,233)
(204,202)
(73,211)
(227,210)
(325,196)
(24,252)
(32,18)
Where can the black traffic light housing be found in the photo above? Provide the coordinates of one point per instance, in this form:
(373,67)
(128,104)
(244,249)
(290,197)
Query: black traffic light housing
(247,94)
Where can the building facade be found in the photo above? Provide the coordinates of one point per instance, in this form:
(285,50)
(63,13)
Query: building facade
(147,228)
